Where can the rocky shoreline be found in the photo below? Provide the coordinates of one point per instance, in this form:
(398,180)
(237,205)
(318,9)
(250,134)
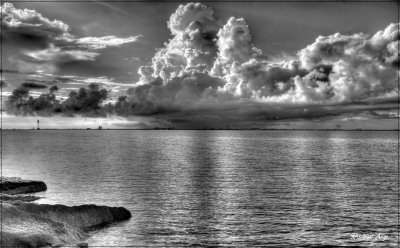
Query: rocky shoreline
(28,224)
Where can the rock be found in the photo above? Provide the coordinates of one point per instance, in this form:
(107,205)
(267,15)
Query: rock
(22,229)
(16,185)
(83,245)
(25,198)
(84,216)
(26,224)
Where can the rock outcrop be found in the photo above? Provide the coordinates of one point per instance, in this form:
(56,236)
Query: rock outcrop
(27,224)
(24,198)
(16,185)
(84,216)
(22,229)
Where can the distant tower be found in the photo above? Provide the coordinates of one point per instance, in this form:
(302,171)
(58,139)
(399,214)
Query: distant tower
(38,128)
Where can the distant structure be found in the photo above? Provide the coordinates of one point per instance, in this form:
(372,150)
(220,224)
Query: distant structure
(100,127)
(38,127)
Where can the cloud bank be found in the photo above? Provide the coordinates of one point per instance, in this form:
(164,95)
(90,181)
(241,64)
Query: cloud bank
(212,69)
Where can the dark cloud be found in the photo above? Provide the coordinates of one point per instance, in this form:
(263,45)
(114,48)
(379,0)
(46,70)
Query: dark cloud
(33,85)
(34,82)
(86,101)
(47,80)
(53,89)
(8,71)
(20,103)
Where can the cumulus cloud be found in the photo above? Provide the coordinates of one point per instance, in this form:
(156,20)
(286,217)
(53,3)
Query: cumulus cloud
(29,28)
(234,43)
(335,69)
(191,13)
(363,67)
(212,69)
(194,28)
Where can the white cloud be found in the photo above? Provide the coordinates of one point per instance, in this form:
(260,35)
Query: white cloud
(97,43)
(207,63)
(37,39)
(28,28)
(191,13)
(57,55)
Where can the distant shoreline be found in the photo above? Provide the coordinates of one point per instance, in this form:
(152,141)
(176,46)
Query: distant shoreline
(167,129)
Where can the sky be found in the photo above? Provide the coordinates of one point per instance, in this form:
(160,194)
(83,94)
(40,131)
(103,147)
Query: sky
(196,65)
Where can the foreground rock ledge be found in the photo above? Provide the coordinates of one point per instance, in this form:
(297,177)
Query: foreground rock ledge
(84,217)
(22,229)
(16,185)
(26,224)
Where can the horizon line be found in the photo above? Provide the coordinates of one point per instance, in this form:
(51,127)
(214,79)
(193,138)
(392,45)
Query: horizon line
(201,129)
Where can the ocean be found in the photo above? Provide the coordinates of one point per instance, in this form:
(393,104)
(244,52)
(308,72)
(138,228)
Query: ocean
(220,188)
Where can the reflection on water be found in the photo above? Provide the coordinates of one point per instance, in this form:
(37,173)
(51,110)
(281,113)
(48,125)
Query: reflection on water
(228,188)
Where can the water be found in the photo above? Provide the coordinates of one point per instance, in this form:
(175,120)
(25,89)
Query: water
(219,188)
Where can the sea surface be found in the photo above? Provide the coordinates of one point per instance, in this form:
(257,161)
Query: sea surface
(220,188)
